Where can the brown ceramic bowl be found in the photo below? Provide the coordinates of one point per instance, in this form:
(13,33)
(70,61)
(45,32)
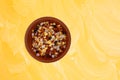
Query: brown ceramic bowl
(28,39)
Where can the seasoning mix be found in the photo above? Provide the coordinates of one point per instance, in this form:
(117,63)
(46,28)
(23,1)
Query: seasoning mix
(49,39)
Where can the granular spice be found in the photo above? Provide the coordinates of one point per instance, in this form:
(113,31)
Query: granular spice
(48,40)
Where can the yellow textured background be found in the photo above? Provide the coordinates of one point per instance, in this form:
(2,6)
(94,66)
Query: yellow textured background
(95,47)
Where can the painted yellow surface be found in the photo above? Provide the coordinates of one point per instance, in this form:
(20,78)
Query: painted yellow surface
(95,47)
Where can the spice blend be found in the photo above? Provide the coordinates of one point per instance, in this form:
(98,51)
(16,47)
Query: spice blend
(49,39)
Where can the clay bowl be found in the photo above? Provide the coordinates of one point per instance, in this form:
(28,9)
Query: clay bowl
(28,39)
